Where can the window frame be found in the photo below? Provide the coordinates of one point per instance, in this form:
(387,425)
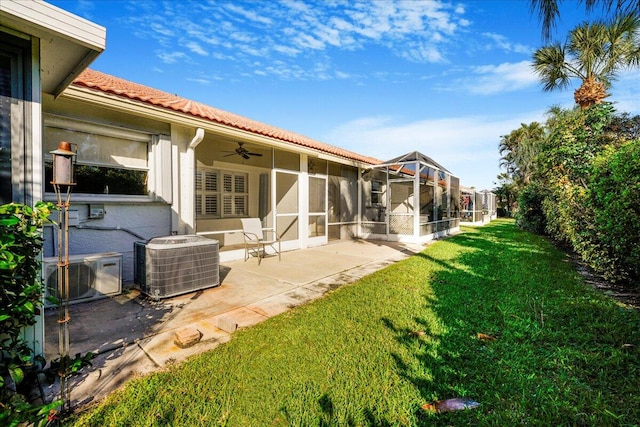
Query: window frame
(377,195)
(230,194)
(97,129)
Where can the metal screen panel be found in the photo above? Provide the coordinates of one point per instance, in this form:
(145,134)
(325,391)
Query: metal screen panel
(401,224)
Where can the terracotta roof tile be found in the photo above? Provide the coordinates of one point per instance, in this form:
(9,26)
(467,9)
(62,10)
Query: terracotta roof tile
(109,84)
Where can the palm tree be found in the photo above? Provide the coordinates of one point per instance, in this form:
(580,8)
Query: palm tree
(593,53)
(506,192)
(519,150)
(548,10)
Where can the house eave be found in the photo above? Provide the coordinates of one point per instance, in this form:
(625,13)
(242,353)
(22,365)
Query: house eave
(68,43)
(116,102)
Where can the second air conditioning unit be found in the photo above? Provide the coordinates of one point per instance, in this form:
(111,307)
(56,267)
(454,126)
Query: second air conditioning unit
(91,276)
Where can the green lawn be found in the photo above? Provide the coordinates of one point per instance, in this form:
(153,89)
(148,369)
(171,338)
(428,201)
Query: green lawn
(372,353)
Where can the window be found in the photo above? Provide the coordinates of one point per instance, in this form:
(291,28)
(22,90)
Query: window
(443,199)
(207,194)
(454,197)
(221,193)
(15,139)
(109,161)
(377,193)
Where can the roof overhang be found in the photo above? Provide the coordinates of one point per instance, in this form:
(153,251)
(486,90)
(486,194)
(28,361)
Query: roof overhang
(68,43)
(107,100)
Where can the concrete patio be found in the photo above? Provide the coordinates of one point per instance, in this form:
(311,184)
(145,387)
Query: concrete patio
(133,335)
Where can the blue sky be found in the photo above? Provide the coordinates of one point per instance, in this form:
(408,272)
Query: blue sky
(378,77)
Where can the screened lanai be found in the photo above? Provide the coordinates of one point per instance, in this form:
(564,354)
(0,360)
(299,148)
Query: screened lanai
(410,198)
(477,207)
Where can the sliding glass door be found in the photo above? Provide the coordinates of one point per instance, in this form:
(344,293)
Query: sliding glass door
(11,124)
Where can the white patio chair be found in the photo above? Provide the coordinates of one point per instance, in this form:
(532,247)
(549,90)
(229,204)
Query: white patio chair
(254,239)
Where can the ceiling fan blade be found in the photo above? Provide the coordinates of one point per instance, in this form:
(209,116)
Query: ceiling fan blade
(242,152)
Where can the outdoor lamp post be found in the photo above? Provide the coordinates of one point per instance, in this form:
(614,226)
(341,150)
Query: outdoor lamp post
(63,163)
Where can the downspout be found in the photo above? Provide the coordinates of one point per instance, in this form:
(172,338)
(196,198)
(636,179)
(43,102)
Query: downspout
(197,139)
(188,202)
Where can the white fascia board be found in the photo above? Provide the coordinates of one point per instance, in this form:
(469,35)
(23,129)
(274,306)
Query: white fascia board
(41,19)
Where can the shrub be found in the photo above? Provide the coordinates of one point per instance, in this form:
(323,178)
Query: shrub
(577,137)
(20,301)
(615,197)
(530,216)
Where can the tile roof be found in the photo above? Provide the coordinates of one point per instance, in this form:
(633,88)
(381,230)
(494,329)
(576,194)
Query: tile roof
(113,85)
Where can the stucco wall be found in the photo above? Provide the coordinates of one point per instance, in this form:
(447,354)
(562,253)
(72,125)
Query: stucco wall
(122,225)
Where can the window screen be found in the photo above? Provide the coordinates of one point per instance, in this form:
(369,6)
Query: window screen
(105,164)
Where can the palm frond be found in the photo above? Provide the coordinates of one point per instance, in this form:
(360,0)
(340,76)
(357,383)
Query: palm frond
(550,64)
(624,41)
(548,11)
(594,52)
(548,14)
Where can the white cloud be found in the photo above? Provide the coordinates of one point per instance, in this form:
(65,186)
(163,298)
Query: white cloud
(196,48)
(329,35)
(242,37)
(501,42)
(298,6)
(467,146)
(201,81)
(624,92)
(300,33)
(422,53)
(307,41)
(251,15)
(492,79)
(286,50)
(171,57)
(504,77)
(161,29)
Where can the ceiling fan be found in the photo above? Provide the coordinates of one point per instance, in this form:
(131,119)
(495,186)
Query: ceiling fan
(243,152)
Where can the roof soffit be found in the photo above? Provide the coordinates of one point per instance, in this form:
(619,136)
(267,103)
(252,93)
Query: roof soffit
(68,43)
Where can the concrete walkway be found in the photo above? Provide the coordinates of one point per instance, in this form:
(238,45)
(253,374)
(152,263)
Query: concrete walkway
(134,335)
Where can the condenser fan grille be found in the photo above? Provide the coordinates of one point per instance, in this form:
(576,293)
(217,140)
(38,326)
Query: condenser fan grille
(91,276)
(81,281)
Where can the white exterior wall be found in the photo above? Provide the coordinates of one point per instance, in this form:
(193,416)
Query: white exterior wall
(182,209)
(72,43)
(122,225)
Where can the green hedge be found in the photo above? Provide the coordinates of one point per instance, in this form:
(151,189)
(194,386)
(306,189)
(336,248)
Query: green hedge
(587,189)
(615,197)
(530,215)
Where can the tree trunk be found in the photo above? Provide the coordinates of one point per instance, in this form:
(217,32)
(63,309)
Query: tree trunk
(591,92)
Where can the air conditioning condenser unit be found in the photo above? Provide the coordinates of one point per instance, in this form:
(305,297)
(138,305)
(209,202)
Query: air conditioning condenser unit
(173,265)
(91,276)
